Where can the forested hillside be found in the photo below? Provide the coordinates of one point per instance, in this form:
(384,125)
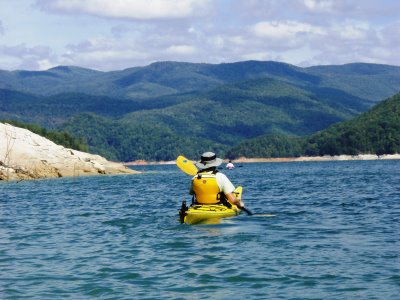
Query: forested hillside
(219,119)
(123,142)
(375,132)
(51,111)
(167,108)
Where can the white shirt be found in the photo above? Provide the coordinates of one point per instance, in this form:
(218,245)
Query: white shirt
(230,165)
(224,184)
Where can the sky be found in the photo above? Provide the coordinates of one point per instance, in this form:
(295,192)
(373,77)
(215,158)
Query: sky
(111,35)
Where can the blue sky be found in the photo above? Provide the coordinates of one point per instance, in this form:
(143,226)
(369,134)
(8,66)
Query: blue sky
(117,34)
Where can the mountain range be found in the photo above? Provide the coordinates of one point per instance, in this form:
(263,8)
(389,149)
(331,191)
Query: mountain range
(159,111)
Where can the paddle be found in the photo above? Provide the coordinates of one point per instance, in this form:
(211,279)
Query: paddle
(186,165)
(189,168)
(246,210)
(243,208)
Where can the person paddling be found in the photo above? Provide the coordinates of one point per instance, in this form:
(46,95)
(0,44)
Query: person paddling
(230,165)
(210,186)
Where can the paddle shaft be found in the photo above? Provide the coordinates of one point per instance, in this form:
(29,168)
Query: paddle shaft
(247,211)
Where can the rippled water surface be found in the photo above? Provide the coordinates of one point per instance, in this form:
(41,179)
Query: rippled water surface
(324,230)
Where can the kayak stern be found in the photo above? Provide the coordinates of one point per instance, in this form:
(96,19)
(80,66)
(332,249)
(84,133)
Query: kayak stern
(196,214)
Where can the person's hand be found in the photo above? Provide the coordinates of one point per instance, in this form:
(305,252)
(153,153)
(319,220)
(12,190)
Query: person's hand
(240,204)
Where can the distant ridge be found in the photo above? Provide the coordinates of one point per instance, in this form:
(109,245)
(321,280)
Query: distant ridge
(156,111)
(178,77)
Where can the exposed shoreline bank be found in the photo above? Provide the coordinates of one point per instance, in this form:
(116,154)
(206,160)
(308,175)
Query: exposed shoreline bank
(26,155)
(284,159)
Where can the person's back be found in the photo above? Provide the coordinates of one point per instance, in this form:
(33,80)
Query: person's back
(205,187)
(208,184)
(230,165)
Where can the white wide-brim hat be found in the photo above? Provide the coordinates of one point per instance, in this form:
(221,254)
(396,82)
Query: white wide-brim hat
(208,160)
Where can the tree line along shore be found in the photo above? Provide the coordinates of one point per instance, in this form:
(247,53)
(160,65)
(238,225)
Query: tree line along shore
(283,159)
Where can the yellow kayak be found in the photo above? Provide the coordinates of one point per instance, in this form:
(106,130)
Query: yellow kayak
(210,213)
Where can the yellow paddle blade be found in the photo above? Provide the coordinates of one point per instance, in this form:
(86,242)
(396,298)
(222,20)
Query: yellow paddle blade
(238,192)
(186,165)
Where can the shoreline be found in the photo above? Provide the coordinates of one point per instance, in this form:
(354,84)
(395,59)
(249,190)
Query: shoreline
(283,159)
(25,155)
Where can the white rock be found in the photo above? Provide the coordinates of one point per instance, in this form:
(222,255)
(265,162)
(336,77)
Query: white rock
(26,155)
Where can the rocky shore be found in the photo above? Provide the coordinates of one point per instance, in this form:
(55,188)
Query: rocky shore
(26,155)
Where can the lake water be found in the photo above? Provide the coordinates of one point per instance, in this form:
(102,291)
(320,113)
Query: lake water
(321,230)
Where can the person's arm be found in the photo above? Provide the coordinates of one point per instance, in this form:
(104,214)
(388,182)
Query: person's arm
(233,200)
(228,188)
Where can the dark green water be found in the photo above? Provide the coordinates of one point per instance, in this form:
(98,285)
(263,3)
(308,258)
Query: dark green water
(335,235)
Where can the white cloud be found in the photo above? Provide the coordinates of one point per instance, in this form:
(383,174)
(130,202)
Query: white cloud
(216,42)
(45,64)
(23,51)
(105,53)
(1,28)
(260,56)
(24,57)
(130,9)
(390,36)
(318,5)
(333,42)
(284,29)
(116,34)
(110,53)
(181,49)
(105,59)
(353,41)
(352,31)
(381,52)
(238,40)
